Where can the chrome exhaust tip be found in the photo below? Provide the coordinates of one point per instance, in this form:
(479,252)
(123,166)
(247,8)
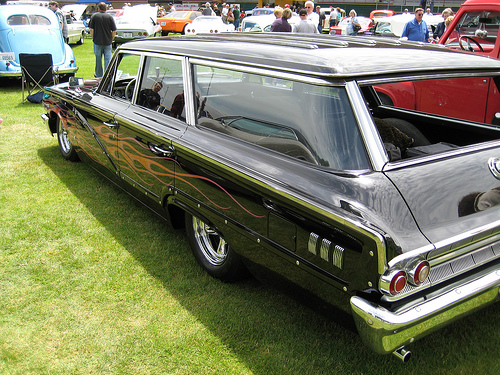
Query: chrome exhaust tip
(403,354)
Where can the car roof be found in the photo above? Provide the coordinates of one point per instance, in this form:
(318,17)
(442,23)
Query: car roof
(323,55)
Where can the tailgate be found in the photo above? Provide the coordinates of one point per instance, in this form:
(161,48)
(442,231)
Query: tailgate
(453,195)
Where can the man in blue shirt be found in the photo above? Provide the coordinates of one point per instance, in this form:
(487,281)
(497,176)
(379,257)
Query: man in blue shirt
(416,29)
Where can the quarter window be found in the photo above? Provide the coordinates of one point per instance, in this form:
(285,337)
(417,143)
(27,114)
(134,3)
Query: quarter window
(304,121)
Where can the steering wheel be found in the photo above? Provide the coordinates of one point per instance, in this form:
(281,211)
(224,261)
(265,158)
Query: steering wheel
(130,88)
(468,39)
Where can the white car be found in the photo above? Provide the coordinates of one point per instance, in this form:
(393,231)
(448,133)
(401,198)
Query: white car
(138,21)
(208,24)
(394,25)
(76,30)
(263,23)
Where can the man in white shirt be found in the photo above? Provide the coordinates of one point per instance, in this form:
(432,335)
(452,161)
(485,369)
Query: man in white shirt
(311,15)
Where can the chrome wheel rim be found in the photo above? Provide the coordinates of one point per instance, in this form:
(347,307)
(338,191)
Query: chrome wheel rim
(64,139)
(211,244)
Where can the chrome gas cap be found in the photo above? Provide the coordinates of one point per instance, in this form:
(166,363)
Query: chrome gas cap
(494,164)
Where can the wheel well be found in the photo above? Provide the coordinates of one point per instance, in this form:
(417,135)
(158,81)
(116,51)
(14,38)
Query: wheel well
(53,122)
(176,215)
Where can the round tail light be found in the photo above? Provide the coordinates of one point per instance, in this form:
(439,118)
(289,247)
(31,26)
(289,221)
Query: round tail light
(398,283)
(393,282)
(419,273)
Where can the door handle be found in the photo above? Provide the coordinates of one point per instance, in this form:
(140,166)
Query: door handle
(161,150)
(111,123)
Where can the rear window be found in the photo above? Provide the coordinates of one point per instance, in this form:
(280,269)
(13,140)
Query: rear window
(27,19)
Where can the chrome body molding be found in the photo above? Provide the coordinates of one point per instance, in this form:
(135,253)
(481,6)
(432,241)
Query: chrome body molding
(385,331)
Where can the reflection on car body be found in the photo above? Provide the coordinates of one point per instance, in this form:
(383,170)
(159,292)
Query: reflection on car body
(280,158)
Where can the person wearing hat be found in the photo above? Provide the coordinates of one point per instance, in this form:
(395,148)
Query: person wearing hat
(207,11)
(305,26)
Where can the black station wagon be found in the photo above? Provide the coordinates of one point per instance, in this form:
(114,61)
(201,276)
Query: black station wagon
(279,155)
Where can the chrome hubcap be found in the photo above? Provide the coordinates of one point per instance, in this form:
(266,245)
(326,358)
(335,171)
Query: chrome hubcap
(64,139)
(213,246)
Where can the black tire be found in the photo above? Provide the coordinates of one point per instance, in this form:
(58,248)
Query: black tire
(164,33)
(212,252)
(410,130)
(65,145)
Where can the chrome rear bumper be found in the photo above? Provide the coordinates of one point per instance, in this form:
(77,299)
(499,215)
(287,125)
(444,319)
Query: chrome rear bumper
(385,331)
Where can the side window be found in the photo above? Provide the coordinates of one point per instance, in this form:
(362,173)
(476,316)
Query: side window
(307,122)
(162,87)
(121,82)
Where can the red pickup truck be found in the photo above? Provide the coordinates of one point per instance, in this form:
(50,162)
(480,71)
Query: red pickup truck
(475,28)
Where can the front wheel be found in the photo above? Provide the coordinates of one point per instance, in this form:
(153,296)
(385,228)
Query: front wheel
(212,251)
(65,145)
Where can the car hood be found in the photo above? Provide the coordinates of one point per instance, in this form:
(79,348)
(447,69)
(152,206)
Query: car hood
(42,40)
(454,195)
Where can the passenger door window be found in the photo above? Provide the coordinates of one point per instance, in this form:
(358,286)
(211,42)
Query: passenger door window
(162,87)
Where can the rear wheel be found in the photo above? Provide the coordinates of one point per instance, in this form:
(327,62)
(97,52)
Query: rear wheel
(212,251)
(65,145)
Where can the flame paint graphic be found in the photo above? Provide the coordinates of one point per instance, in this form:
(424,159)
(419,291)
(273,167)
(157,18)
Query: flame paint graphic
(134,158)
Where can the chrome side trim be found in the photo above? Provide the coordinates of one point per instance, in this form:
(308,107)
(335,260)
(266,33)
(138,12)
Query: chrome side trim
(385,331)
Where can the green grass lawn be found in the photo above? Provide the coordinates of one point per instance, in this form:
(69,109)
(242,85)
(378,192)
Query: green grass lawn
(91,282)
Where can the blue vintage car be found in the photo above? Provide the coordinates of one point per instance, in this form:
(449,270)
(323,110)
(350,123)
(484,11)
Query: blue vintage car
(32,29)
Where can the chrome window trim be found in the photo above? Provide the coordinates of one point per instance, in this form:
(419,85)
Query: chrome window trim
(369,134)
(267,72)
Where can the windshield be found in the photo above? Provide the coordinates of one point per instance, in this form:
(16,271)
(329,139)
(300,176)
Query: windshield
(475,31)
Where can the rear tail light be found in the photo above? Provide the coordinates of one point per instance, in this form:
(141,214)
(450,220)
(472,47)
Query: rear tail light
(419,273)
(395,279)
(393,282)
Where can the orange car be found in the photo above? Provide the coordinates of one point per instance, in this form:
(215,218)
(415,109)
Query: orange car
(175,22)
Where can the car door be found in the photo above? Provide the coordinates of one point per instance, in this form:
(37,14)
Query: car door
(145,156)
(99,109)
